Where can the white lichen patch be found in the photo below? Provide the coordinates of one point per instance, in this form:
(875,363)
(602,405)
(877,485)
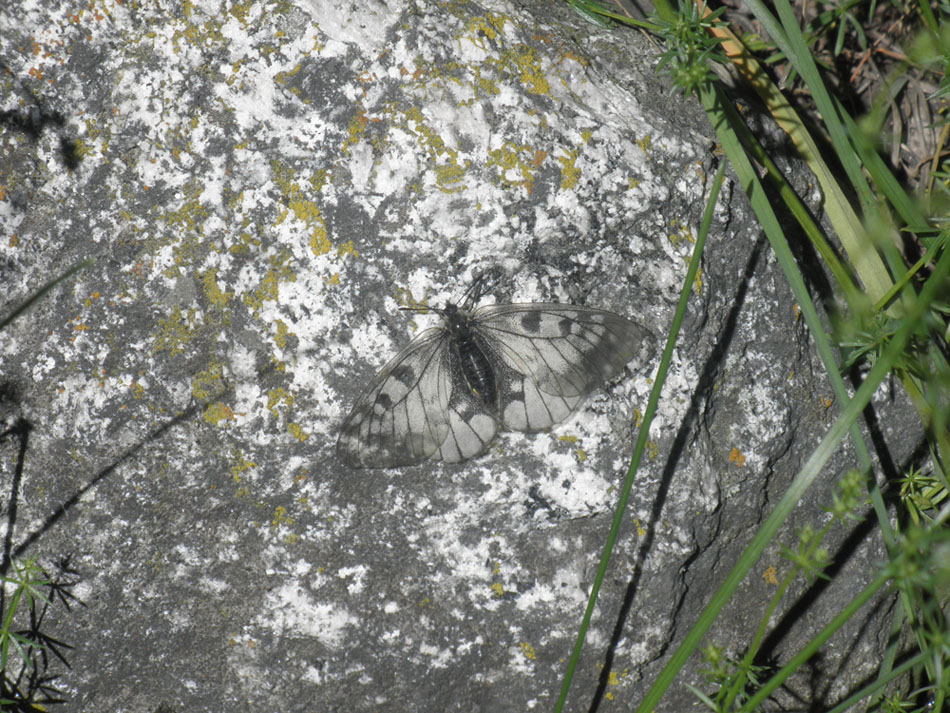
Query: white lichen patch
(290,610)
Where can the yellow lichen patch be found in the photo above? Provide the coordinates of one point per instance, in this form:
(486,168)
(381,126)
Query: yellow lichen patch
(175,331)
(528,64)
(213,292)
(241,465)
(267,289)
(280,338)
(319,242)
(614,680)
(581,455)
(405,298)
(735,456)
(638,417)
(276,397)
(640,531)
(347,248)
(442,159)
(498,588)
(82,149)
(191,215)
(202,35)
(282,77)
(483,86)
(280,518)
(448,175)
(209,383)
(217,412)
(245,241)
(569,171)
(698,281)
(302,208)
(355,130)
(567,439)
(138,391)
(318,180)
(284,178)
(485,27)
(770,575)
(308,213)
(88,301)
(297,432)
(645,142)
(681,234)
(652,450)
(528,651)
(513,159)
(239,12)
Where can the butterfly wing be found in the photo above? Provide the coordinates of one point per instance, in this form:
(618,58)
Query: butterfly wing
(416,408)
(551,356)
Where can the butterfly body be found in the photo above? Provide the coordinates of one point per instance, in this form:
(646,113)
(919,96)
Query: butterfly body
(472,361)
(523,367)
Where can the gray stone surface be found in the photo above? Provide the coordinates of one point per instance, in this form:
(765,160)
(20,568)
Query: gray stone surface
(262,186)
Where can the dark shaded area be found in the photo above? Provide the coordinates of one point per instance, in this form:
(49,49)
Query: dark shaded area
(26,681)
(33,118)
(71,501)
(20,431)
(31,687)
(698,399)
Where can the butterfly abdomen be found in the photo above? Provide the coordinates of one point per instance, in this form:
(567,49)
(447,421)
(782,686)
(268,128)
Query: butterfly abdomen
(474,365)
(478,372)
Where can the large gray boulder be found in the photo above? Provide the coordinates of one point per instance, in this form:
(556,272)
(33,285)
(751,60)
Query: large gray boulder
(261,187)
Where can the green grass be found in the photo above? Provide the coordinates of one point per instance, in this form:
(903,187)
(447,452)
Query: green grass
(24,601)
(893,322)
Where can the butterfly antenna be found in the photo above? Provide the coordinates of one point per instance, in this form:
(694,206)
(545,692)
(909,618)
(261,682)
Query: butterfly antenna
(480,284)
(418,308)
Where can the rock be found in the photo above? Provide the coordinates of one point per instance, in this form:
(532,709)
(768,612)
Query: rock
(261,187)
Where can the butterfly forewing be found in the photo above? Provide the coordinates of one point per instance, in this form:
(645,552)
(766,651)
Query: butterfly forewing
(544,360)
(403,416)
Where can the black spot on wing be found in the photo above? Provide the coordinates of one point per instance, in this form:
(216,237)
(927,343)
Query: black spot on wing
(404,374)
(531,322)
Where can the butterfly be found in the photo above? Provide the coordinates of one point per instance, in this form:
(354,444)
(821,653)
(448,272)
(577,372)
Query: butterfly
(523,367)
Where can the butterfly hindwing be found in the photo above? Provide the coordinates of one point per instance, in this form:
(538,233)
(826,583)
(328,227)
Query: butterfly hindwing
(470,426)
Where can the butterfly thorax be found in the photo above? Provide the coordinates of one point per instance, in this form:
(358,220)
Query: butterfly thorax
(471,359)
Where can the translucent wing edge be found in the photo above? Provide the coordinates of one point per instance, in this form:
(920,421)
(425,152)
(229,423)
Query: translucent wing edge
(370,436)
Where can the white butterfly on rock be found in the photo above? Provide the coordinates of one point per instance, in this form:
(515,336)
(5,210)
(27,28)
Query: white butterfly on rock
(451,389)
